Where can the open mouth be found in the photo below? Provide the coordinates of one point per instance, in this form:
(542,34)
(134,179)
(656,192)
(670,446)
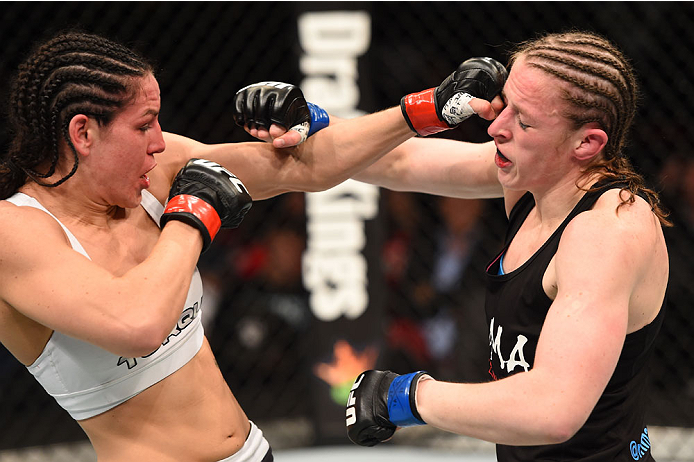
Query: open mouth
(501,156)
(145,179)
(501,160)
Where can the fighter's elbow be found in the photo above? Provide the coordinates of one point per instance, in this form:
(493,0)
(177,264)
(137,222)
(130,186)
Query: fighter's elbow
(561,432)
(141,339)
(561,427)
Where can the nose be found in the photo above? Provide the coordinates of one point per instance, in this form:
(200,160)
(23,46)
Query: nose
(499,128)
(157,143)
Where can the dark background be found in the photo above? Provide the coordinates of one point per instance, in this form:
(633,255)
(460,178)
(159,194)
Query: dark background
(204,52)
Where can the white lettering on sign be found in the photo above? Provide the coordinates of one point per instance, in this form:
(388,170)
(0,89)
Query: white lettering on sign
(334,267)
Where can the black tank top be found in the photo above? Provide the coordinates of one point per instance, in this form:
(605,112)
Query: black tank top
(516,307)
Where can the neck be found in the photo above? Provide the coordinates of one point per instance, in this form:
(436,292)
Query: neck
(71,203)
(555,203)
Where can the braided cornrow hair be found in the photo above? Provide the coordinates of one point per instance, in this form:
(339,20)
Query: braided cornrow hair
(600,87)
(70,74)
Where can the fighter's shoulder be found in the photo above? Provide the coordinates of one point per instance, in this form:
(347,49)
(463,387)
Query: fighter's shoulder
(14,214)
(176,143)
(618,205)
(24,226)
(612,219)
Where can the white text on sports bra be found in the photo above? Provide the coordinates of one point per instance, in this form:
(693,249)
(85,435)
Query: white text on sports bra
(186,319)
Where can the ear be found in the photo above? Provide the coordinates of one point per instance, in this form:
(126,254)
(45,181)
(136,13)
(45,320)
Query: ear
(591,143)
(81,133)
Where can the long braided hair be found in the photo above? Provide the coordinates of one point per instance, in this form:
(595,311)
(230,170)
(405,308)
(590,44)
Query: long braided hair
(70,74)
(600,87)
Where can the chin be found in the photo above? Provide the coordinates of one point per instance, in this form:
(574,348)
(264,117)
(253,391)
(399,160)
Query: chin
(508,183)
(131,202)
(503,178)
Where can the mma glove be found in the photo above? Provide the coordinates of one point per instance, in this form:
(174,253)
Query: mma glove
(207,196)
(379,402)
(444,107)
(265,103)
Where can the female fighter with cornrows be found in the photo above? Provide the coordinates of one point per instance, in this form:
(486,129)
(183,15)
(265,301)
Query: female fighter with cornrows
(103,219)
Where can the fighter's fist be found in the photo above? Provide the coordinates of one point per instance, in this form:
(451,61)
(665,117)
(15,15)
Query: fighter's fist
(265,103)
(379,402)
(445,106)
(207,196)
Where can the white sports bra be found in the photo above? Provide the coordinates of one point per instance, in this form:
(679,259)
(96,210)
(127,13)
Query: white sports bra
(86,380)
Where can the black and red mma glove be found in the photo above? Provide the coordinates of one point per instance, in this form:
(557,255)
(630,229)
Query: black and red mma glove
(207,196)
(444,107)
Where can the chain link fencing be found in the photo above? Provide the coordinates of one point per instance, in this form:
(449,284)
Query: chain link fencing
(431,251)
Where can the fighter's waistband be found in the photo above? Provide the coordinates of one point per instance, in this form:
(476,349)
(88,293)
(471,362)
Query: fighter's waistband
(255,449)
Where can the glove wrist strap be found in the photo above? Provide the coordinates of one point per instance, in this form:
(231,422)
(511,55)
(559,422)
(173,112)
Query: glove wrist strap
(419,110)
(402,410)
(319,118)
(184,204)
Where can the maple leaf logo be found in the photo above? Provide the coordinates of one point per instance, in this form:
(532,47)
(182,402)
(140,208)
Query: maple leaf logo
(344,368)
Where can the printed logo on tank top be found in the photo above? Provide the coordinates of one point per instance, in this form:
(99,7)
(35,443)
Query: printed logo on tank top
(516,357)
(640,448)
(186,319)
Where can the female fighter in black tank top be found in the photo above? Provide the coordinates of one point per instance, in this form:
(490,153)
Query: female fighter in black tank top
(516,306)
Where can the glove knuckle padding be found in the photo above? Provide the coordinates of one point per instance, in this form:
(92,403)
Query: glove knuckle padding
(215,185)
(224,190)
(267,103)
(481,77)
(239,108)
(207,196)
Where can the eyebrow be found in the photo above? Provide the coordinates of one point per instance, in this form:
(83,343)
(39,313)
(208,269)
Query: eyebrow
(519,110)
(506,102)
(151,112)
